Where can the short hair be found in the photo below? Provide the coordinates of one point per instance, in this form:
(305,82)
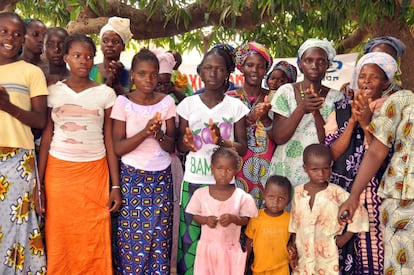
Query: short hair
(145,55)
(228,60)
(78,38)
(280,181)
(316,150)
(226,153)
(55,30)
(13,15)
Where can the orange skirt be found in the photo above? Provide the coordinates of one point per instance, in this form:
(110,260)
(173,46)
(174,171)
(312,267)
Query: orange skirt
(78,237)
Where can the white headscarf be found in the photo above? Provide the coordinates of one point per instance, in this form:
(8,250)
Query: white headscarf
(118,25)
(324,44)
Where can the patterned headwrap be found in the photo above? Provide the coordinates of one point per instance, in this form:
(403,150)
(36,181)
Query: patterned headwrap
(118,25)
(324,44)
(229,50)
(396,43)
(245,50)
(385,61)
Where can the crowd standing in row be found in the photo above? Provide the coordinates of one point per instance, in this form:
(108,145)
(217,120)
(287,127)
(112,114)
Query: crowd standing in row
(112,139)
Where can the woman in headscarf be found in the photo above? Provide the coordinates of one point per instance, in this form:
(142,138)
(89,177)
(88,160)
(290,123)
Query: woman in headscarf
(300,110)
(348,138)
(253,60)
(282,73)
(386,44)
(114,36)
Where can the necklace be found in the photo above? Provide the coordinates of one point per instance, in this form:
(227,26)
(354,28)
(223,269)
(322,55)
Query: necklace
(251,100)
(302,92)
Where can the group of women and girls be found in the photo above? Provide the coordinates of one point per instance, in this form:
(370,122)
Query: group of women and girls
(245,147)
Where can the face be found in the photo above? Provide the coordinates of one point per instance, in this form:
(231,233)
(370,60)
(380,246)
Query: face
(145,76)
(34,37)
(223,169)
(213,72)
(385,48)
(164,84)
(80,58)
(254,70)
(318,169)
(372,81)
(314,63)
(112,45)
(11,39)
(276,198)
(54,43)
(276,79)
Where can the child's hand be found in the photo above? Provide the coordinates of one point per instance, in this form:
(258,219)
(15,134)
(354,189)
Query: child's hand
(212,221)
(39,201)
(293,257)
(215,131)
(226,219)
(341,240)
(188,140)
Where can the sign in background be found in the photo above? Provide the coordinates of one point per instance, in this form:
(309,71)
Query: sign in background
(338,73)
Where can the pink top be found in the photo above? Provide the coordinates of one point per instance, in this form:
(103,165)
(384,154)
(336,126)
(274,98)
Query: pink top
(148,155)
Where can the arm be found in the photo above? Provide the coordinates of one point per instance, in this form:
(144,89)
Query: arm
(370,164)
(114,201)
(167,140)
(210,221)
(125,145)
(42,163)
(339,146)
(319,123)
(239,144)
(35,118)
(249,249)
(341,240)
(293,252)
(226,219)
(185,141)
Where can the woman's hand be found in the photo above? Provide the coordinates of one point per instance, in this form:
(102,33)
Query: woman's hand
(347,210)
(260,111)
(39,200)
(114,73)
(363,112)
(114,200)
(153,125)
(311,102)
(188,140)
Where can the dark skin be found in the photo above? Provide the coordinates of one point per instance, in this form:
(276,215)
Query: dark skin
(80,60)
(314,63)
(166,86)
(32,48)
(214,74)
(53,47)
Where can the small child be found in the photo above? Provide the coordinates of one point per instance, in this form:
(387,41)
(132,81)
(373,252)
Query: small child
(316,232)
(282,73)
(221,210)
(270,256)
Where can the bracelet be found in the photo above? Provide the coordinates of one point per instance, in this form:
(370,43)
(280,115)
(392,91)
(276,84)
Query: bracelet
(268,128)
(116,187)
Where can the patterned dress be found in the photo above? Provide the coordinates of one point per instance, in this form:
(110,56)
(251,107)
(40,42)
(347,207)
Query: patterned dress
(364,253)
(394,128)
(255,163)
(287,158)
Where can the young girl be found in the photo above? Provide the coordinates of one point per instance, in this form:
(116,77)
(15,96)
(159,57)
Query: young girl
(271,257)
(75,154)
(33,44)
(221,210)
(53,47)
(348,137)
(144,132)
(23,95)
(207,120)
(315,232)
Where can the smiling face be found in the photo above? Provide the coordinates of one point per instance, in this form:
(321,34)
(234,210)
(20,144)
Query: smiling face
(276,198)
(34,37)
(145,76)
(254,69)
(224,169)
(372,81)
(319,169)
(80,58)
(11,39)
(314,63)
(112,45)
(213,72)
